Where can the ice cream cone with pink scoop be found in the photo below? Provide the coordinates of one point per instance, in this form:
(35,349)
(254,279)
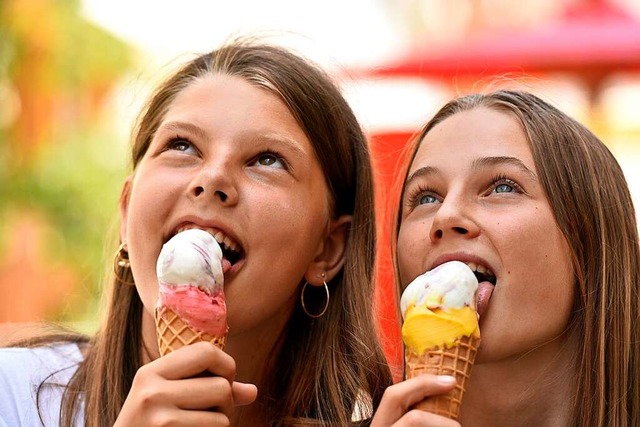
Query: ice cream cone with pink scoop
(191,305)
(440,330)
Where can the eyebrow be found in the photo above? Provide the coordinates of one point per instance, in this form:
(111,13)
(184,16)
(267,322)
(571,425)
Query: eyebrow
(477,164)
(183,126)
(504,160)
(278,139)
(274,138)
(422,172)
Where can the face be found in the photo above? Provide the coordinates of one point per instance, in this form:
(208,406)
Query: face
(229,158)
(473,194)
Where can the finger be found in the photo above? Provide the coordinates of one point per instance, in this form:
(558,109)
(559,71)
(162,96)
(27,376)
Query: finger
(398,398)
(186,418)
(244,394)
(414,390)
(420,418)
(202,393)
(194,359)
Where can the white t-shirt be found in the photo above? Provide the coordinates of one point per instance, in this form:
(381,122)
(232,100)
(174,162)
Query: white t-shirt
(22,371)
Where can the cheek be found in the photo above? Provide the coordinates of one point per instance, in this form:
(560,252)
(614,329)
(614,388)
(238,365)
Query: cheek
(154,191)
(540,262)
(149,205)
(290,223)
(558,271)
(529,235)
(145,215)
(412,249)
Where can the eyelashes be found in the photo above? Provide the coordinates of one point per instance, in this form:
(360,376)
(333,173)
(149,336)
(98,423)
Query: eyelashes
(503,184)
(271,158)
(179,143)
(423,194)
(266,158)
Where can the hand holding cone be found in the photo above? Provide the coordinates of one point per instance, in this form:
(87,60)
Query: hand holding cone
(456,361)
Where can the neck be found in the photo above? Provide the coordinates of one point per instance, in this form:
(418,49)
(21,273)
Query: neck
(525,390)
(252,349)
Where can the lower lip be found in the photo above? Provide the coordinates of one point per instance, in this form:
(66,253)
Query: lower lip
(233,269)
(485,290)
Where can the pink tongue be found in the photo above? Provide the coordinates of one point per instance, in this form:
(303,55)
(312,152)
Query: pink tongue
(484,294)
(226,265)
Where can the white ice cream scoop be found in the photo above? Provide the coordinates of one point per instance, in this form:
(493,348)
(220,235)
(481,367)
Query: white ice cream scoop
(191,257)
(449,285)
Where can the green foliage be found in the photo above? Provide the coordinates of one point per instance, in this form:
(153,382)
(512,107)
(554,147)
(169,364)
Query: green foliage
(95,60)
(76,185)
(74,177)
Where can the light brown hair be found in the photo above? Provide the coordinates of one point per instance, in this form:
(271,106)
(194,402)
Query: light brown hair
(324,366)
(590,200)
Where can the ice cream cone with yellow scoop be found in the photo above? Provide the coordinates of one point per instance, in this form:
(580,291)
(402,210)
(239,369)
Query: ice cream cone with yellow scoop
(440,330)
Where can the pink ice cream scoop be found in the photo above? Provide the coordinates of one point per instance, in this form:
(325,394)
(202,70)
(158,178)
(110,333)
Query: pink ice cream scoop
(190,276)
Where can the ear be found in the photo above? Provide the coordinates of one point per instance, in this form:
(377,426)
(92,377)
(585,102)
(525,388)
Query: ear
(331,251)
(124,207)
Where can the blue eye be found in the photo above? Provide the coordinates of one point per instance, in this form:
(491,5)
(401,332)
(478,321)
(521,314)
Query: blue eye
(504,188)
(420,195)
(426,199)
(502,184)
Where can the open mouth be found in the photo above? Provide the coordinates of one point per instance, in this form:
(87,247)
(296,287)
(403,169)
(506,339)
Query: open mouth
(486,284)
(484,277)
(233,255)
(482,273)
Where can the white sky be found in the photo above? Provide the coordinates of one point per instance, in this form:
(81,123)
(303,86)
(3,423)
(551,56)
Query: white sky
(353,32)
(338,34)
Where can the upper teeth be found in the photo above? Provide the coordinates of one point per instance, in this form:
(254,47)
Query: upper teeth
(220,237)
(479,268)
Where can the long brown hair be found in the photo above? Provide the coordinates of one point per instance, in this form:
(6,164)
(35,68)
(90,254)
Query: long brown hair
(592,205)
(325,366)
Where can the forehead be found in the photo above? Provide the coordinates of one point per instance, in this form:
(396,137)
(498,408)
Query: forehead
(216,91)
(472,134)
(225,104)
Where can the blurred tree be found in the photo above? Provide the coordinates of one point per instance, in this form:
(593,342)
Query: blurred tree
(56,162)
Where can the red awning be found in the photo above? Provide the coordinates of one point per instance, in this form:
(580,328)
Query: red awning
(592,38)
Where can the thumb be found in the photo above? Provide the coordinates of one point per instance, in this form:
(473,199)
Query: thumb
(244,394)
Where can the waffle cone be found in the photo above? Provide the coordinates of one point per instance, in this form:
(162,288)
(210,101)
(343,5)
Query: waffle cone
(173,332)
(456,361)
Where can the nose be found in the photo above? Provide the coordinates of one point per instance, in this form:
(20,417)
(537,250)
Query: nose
(214,183)
(454,218)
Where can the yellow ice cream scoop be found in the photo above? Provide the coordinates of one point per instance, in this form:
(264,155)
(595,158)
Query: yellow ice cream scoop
(438,307)
(424,328)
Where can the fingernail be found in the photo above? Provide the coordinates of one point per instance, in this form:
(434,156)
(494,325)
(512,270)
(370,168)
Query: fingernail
(446,379)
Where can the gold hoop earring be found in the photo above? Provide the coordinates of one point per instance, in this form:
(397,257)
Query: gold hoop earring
(326,305)
(121,262)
